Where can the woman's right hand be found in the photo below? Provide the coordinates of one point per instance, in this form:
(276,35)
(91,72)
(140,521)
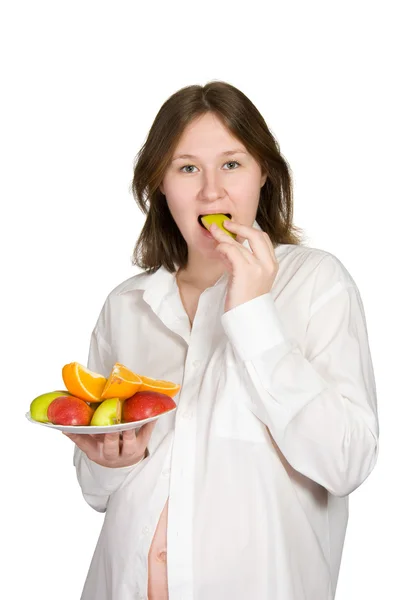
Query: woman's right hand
(112,450)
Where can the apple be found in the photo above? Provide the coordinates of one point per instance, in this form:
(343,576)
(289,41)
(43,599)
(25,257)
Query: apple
(218,219)
(39,406)
(144,405)
(109,412)
(69,410)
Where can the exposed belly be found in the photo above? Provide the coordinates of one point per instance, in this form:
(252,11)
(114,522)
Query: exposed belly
(157,560)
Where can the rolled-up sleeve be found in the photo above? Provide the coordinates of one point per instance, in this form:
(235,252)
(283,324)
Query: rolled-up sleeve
(96,481)
(319,403)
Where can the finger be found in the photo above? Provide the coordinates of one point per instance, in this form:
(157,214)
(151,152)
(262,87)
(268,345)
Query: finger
(129,444)
(226,262)
(217,230)
(234,255)
(111,448)
(259,241)
(239,238)
(145,433)
(223,237)
(99,437)
(220,234)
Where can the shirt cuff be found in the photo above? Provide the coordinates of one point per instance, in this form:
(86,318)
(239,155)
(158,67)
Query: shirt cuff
(109,478)
(254,327)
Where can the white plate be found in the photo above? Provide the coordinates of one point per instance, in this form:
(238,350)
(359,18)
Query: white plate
(98,429)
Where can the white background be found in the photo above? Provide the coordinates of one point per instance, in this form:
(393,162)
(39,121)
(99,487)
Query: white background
(82,82)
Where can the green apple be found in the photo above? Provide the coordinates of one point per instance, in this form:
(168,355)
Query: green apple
(39,406)
(218,219)
(109,412)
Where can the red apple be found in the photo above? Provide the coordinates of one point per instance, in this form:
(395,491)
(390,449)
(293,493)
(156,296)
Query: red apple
(144,405)
(69,410)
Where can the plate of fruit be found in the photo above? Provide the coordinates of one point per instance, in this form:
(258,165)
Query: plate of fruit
(93,403)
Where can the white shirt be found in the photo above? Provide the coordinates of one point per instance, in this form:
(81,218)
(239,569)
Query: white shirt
(276,425)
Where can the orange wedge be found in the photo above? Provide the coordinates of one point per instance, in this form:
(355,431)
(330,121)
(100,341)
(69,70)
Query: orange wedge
(122,383)
(159,385)
(82,382)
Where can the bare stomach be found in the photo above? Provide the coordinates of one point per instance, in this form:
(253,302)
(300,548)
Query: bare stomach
(157,560)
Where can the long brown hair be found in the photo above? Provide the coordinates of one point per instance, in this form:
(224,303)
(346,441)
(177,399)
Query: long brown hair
(160,241)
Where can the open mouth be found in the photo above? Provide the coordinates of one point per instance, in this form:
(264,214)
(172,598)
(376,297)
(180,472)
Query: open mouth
(200,220)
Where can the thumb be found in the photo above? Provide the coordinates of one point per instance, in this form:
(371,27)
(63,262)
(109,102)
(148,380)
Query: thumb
(83,441)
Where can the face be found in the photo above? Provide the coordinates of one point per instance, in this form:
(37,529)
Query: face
(210,181)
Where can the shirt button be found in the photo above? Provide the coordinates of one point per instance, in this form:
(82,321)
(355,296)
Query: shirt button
(166,472)
(145,530)
(196,363)
(187,415)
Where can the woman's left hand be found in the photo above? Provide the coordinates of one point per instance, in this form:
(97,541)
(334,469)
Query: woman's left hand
(253,273)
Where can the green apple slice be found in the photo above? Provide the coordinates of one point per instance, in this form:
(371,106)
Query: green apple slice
(218,219)
(109,412)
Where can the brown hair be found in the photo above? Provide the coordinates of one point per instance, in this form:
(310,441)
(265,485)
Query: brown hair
(160,241)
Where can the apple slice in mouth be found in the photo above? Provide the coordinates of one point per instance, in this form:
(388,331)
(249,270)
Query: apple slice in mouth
(204,214)
(218,219)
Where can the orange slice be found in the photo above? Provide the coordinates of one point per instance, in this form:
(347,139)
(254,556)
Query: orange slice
(122,383)
(159,385)
(82,382)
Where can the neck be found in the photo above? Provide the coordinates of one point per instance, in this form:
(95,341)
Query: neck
(199,276)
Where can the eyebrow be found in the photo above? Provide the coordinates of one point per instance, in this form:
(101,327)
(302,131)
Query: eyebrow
(226,153)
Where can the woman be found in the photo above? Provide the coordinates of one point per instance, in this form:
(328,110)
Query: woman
(242,493)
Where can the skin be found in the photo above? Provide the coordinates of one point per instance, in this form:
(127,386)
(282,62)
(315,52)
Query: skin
(208,183)
(110,450)
(251,272)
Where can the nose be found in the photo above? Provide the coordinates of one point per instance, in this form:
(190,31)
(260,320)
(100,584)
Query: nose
(212,187)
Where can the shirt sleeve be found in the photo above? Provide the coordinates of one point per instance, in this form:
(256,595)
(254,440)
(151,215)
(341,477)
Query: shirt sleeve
(96,481)
(319,403)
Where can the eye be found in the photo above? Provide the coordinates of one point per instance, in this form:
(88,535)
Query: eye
(230,162)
